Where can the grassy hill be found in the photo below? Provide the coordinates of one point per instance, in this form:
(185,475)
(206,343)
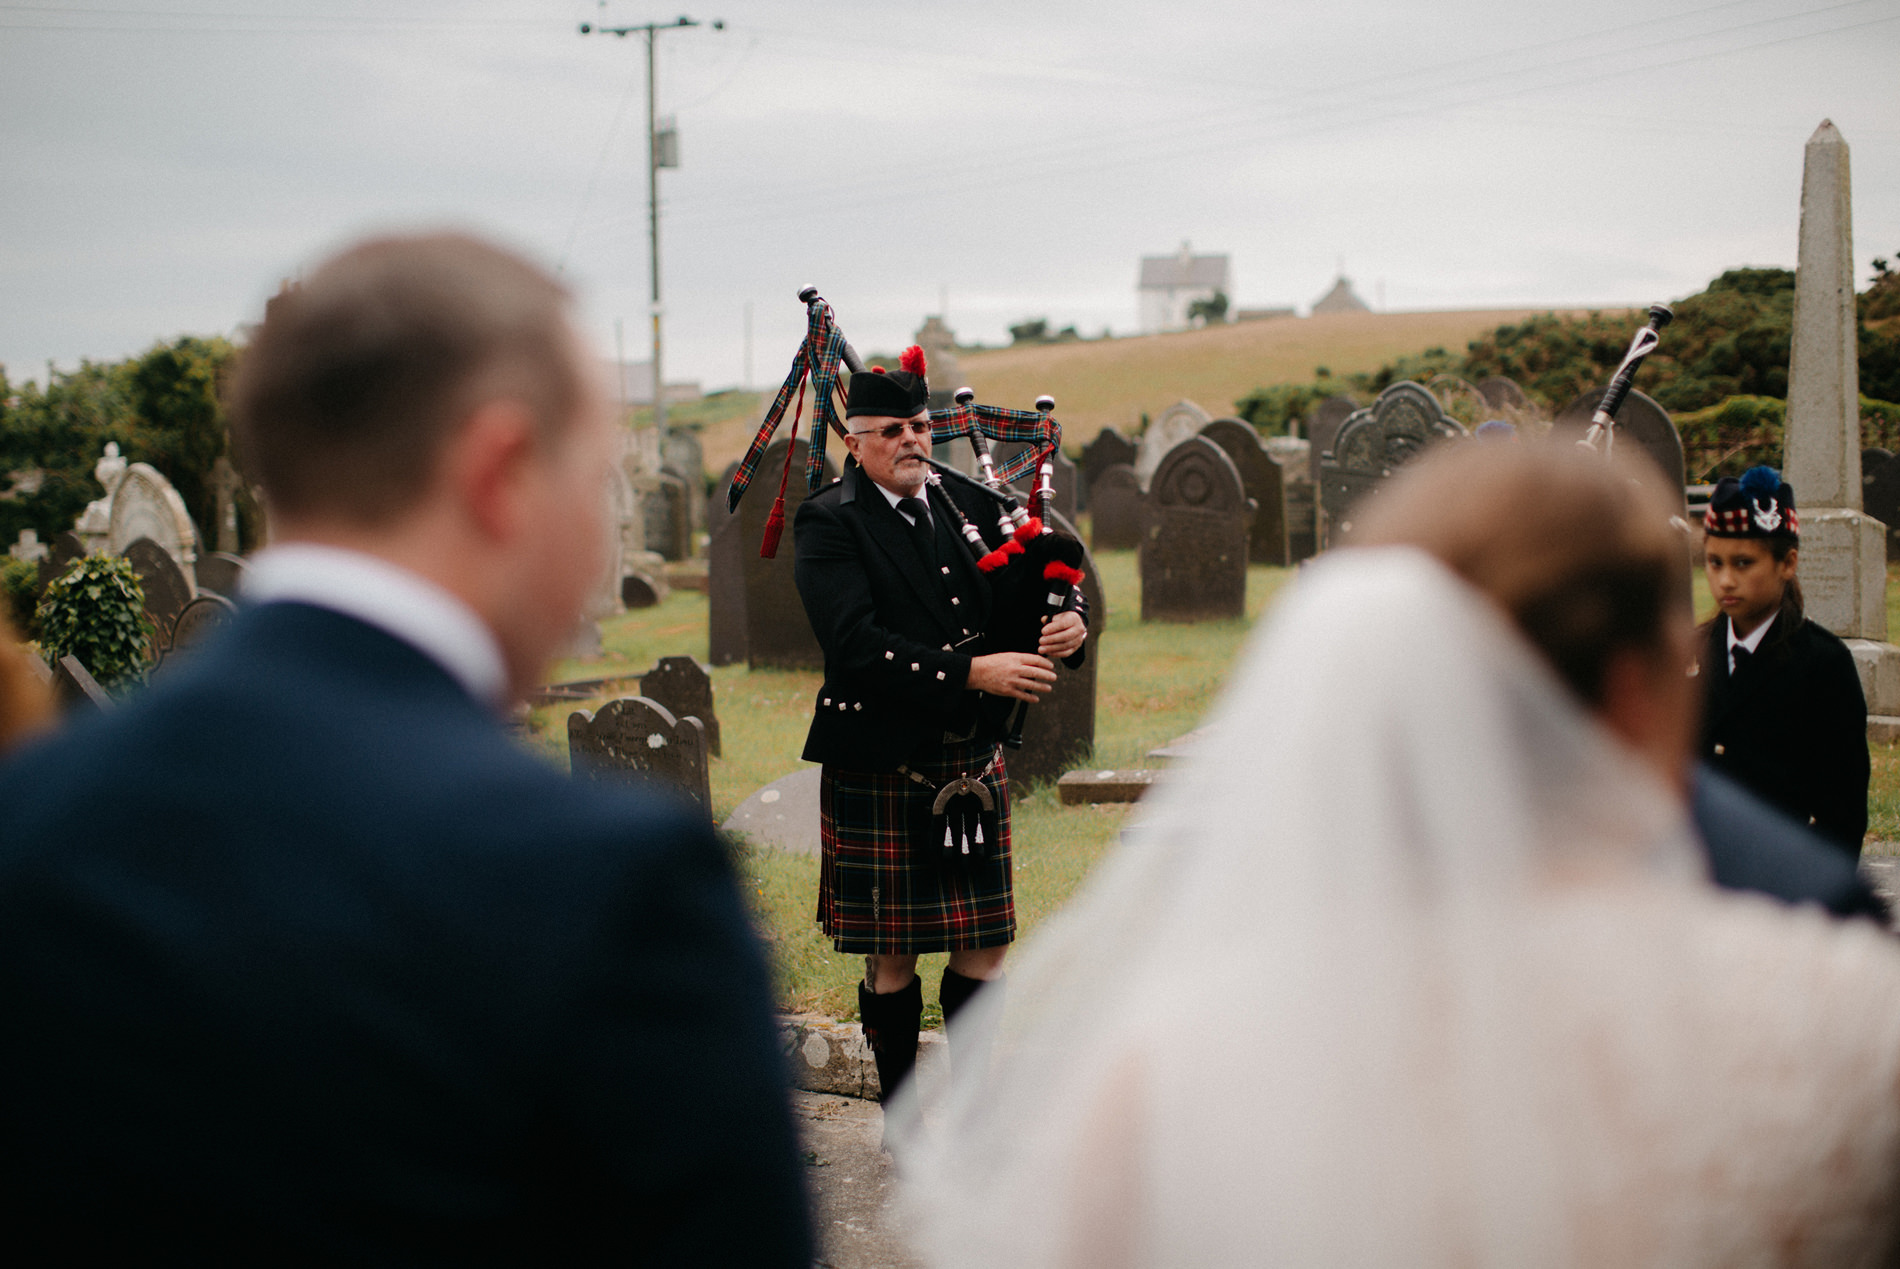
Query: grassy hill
(1113,382)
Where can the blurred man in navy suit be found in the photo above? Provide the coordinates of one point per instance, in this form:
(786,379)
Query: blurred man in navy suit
(302,959)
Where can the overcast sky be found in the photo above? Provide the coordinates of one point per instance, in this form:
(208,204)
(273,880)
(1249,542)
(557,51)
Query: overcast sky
(168,162)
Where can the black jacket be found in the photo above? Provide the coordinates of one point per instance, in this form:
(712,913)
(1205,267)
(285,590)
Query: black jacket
(304,960)
(898,633)
(1791,726)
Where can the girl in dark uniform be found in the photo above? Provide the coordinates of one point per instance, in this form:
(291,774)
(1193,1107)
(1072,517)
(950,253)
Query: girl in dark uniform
(1784,714)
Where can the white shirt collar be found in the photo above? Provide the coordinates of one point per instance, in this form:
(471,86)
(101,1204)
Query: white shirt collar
(895,498)
(392,599)
(1752,642)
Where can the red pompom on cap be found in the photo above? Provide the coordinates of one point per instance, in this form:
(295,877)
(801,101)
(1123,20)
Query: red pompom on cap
(912,361)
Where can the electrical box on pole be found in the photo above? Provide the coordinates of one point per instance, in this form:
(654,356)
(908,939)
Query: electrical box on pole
(666,143)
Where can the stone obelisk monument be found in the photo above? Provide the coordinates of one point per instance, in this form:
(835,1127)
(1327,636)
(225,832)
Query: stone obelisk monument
(1843,550)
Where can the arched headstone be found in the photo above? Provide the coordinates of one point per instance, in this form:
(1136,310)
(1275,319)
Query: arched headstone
(632,739)
(221,573)
(1260,477)
(167,589)
(686,690)
(777,632)
(1194,552)
(1060,728)
(1641,423)
(199,619)
(1178,422)
(1328,417)
(1375,442)
(1302,507)
(144,505)
(1119,511)
(1880,498)
(1503,395)
(1107,449)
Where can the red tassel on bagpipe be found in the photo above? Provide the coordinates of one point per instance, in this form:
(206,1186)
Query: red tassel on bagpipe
(993,561)
(1030,528)
(775,523)
(1056,570)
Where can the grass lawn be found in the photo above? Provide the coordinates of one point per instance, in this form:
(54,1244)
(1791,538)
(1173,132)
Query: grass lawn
(1156,682)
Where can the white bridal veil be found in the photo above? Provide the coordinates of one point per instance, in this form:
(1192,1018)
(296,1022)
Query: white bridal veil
(1321,1007)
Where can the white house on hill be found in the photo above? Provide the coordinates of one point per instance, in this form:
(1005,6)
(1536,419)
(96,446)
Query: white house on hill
(1169,284)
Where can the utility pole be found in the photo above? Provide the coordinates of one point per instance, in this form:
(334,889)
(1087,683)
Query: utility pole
(655,161)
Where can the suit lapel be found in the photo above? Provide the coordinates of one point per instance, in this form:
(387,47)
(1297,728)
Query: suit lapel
(891,532)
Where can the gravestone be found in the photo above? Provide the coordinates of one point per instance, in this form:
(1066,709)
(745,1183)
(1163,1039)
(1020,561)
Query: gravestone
(1372,444)
(777,632)
(225,484)
(683,453)
(783,815)
(1880,494)
(1328,417)
(167,589)
(641,590)
(725,576)
(1118,510)
(74,686)
(29,547)
(1260,477)
(1060,728)
(632,739)
(199,619)
(67,547)
(1105,451)
(1641,424)
(686,690)
(1302,507)
(1194,552)
(1177,423)
(662,497)
(144,505)
(1843,549)
(221,573)
(1503,395)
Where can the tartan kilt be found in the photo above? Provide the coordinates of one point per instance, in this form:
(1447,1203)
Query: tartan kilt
(883,886)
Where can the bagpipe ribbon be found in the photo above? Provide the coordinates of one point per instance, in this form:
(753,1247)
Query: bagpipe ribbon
(1038,430)
(818,356)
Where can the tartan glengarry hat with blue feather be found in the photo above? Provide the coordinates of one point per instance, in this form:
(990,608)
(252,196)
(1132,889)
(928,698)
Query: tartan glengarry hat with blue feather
(1759,505)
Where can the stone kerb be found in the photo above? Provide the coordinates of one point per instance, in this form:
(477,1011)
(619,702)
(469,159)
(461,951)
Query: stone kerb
(632,739)
(1177,423)
(1194,552)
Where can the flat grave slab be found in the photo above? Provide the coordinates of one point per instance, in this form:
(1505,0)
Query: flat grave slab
(783,815)
(1080,788)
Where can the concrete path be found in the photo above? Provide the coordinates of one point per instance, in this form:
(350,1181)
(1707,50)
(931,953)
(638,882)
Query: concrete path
(853,1189)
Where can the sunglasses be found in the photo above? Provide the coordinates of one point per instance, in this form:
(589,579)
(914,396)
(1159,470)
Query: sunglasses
(891,431)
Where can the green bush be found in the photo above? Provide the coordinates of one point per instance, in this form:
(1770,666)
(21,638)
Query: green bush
(19,592)
(96,612)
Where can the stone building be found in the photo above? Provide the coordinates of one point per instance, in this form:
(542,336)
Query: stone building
(1169,284)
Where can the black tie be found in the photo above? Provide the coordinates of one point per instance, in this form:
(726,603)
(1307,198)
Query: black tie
(920,529)
(1741,655)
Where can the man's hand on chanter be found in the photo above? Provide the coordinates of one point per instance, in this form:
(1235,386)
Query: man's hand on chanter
(1062,636)
(1021,675)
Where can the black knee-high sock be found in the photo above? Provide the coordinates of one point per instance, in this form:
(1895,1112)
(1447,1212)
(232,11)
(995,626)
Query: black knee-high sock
(890,1022)
(955,992)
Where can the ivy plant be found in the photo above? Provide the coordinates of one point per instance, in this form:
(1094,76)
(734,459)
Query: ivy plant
(95,610)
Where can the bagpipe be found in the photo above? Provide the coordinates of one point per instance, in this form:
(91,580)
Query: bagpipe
(1602,432)
(1033,570)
